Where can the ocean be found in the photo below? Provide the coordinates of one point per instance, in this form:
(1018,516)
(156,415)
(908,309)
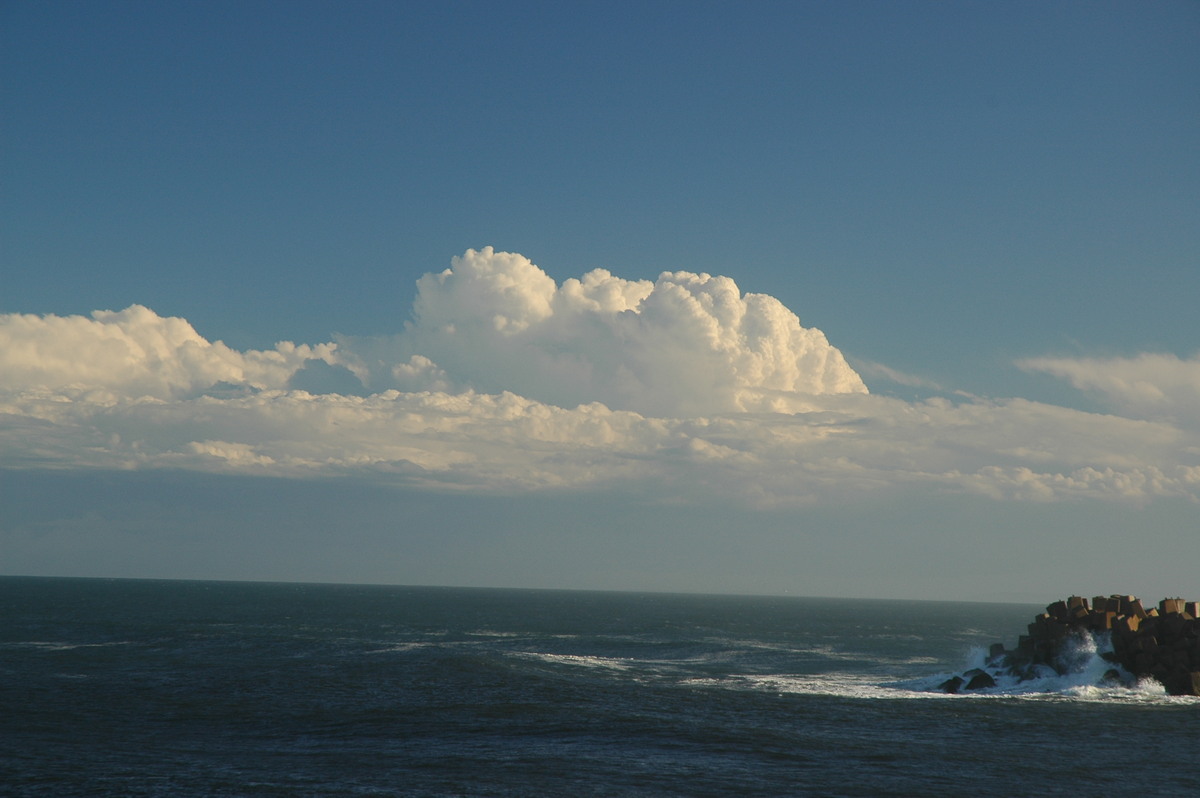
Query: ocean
(176,688)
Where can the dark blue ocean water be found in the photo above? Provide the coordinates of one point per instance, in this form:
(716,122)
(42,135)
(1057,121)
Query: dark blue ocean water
(159,688)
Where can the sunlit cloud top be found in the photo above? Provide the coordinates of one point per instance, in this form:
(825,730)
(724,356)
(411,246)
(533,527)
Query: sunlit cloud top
(685,345)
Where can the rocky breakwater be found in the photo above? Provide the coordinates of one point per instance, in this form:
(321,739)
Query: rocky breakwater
(1160,643)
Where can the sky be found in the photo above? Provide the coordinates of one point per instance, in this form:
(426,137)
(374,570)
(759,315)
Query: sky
(865,299)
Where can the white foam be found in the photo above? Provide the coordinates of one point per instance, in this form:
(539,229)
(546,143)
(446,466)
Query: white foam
(1084,680)
(1083,677)
(580,661)
(859,686)
(846,685)
(44,645)
(402,647)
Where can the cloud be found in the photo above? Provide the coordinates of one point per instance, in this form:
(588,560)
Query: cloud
(884,372)
(841,447)
(1149,385)
(684,345)
(682,390)
(134,353)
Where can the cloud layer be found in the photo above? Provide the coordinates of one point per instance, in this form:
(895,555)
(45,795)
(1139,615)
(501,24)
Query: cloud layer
(505,381)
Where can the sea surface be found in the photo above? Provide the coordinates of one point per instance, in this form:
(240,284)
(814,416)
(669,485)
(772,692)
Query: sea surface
(173,688)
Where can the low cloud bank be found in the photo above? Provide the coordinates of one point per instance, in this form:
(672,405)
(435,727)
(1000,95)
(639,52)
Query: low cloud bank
(504,381)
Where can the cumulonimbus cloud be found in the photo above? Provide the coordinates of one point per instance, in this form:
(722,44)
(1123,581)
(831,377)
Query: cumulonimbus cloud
(505,381)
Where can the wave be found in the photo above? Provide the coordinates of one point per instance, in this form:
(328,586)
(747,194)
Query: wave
(1088,677)
(859,686)
(1086,671)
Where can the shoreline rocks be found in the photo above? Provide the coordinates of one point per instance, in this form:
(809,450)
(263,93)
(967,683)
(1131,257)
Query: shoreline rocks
(1160,643)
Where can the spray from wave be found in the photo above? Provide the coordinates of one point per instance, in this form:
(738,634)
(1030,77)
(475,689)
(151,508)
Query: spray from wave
(1112,643)
(1084,671)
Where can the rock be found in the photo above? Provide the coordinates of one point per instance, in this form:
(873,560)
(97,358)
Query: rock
(981,681)
(951,685)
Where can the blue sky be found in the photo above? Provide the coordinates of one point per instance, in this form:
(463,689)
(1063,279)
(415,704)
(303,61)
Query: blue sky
(989,210)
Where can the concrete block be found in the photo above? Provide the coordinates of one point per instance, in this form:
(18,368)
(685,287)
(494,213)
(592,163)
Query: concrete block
(1181,682)
(1192,685)
(1167,606)
(1162,642)
(1171,626)
(1126,624)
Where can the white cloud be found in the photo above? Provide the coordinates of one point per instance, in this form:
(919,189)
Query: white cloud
(1148,385)
(687,344)
(840,447)
(134,352)
(506,382)
(884,372)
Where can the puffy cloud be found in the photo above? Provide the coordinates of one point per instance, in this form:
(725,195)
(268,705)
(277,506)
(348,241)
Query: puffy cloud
(1149,385)
(687,344)
(504,381)
(135,352)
